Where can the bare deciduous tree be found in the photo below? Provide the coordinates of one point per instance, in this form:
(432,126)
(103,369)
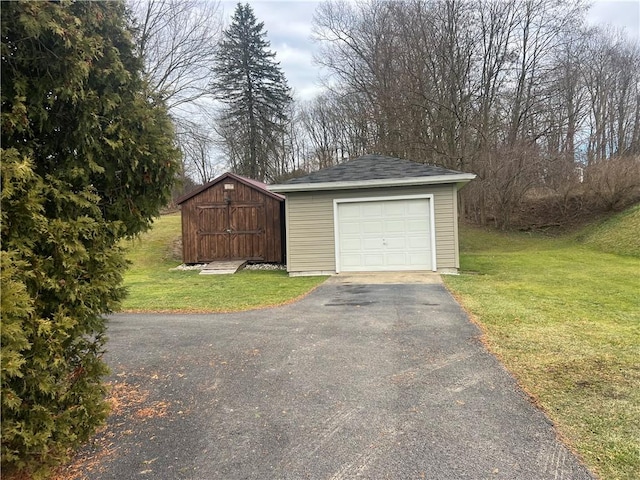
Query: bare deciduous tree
(519,92)
(197,149)
(177,40)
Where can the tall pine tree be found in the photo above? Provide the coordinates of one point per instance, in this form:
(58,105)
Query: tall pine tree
(255,92)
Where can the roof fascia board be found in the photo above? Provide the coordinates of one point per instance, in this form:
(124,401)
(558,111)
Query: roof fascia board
(461,178)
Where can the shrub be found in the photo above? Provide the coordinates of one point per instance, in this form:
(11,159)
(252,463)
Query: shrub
(87,158)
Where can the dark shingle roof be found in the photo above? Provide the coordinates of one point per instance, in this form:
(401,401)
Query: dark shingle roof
(372,167)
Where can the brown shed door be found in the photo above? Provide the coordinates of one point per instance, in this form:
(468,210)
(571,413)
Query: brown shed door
(233,231)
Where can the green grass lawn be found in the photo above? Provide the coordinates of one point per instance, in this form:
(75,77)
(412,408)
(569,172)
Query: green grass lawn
(619,234)
(152,286)
(564,317)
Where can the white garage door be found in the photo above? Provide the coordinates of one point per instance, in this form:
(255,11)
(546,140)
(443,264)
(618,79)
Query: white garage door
(384,235)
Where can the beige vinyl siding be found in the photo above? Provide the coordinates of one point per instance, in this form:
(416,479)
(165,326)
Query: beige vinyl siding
(310,224)
(310,240)
(446,226)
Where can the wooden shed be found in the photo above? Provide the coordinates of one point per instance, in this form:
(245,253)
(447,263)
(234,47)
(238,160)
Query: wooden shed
(232,218)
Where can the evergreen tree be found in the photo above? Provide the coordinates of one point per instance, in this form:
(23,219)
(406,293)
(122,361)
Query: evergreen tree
(251,84)
(87,159)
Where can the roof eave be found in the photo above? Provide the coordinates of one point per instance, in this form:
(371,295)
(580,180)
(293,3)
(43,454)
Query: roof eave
(460,179)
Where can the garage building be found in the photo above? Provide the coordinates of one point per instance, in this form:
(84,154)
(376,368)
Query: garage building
(373,213)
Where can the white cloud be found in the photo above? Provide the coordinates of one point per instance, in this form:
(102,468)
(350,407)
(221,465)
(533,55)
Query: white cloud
(288,54)
(302,74)
(617,13)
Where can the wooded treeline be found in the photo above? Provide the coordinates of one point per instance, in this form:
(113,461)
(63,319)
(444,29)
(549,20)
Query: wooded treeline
(542,107)
(520,92)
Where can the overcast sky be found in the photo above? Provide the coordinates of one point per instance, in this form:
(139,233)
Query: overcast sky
(289,23)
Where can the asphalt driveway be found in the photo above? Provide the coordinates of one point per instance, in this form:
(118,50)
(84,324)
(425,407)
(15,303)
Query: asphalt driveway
(354,381)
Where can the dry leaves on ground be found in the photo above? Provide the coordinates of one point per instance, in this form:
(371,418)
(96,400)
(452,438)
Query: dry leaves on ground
(128,404)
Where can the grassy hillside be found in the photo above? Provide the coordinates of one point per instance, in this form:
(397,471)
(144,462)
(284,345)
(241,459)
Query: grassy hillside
(153,286)
(564,317)
(619,234)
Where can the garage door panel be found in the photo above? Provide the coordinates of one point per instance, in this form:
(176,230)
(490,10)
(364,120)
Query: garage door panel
(373,260)
(383,235)
(352,261)
(395,226)
(350,228)
(394,209)
(371,209)
(376,226)
(419,258)
(350,210)
(396,243)
(418,208)
(418,242)
(352,245)
(369,244)
(397,259)
(416,225)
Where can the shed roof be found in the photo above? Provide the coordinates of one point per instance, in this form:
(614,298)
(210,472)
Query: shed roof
(247,181)
(371,171)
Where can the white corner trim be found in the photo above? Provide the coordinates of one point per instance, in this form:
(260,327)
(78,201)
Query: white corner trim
(459,178)
(336,235)
(432,221)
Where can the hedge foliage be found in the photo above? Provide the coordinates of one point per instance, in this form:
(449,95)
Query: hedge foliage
(87,159)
